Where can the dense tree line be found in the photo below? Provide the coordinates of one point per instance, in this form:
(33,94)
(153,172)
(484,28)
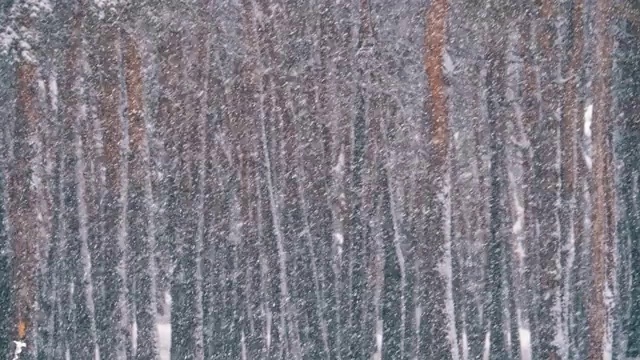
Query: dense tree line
(320,179)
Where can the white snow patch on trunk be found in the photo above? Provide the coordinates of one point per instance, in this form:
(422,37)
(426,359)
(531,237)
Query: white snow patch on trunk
(487,346)
(269,322)
(525,344)
(609,302)
(164,340)
(134,337)
(465,345)
(446,270)
(378,354)
(588,115)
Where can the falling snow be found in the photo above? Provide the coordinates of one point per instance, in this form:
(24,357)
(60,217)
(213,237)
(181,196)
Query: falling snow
(271,179)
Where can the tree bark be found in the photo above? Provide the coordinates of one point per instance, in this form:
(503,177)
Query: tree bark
(597,308)
(23,202)
(113,320)
(435,324)
(141,234)
(497,246)
(545,155)
(73,241)
(572,183)
(629,179)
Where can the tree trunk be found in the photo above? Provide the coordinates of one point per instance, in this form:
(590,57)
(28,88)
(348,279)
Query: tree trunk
(545,154)
(25,238)
(629,178)
(187,311)
(141,234)
(73,239)
(572,216)
(113,320)
(498,203)
(436,322)
(597,308)
(5,268)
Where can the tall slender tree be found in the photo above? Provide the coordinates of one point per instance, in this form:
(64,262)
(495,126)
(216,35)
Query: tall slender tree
(545,154)
(113,321)
(630,134)
(498,237)
(436,324)
(73,237)
(600,242)
(141,234)
(7,114)
(572,182)
(5,284)
(25,183)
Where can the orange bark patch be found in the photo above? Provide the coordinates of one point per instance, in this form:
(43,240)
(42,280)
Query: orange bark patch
(435,47)
(22,329)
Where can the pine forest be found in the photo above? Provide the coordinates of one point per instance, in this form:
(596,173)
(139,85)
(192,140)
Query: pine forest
(319,179)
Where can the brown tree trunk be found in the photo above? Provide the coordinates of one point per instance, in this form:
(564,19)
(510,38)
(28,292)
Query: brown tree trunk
(114,323)
(435,322)
(545,146)
(141,235)
(600,242)
(23,200)
(630,136)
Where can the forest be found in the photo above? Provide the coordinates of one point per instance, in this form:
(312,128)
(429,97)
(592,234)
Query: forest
(319,179)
